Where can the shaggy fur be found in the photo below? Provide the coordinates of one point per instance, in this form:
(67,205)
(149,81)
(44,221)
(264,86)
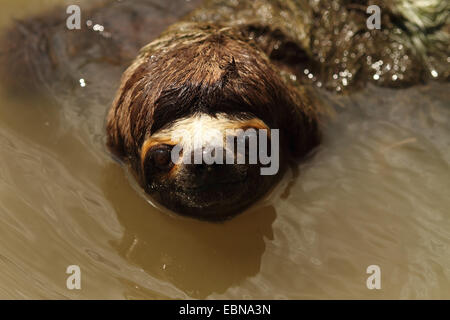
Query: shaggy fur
(216,71)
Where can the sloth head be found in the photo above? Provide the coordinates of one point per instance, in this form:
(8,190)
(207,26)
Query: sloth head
(194,119)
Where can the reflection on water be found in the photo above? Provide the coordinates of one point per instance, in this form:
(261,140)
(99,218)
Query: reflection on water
(376,192)
(197,257)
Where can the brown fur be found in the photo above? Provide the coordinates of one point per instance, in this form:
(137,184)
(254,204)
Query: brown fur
(221,72)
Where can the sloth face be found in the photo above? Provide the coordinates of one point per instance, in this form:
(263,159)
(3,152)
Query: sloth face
(210,167)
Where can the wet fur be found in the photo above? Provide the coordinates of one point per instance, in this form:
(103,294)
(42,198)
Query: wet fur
(221,72)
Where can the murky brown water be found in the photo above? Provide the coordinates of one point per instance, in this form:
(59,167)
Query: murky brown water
(376,193)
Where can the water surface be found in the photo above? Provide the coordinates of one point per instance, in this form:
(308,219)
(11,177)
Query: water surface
(376,192)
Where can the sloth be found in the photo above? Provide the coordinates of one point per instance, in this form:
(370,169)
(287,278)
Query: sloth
(195,78)
(229,67)
(222,67)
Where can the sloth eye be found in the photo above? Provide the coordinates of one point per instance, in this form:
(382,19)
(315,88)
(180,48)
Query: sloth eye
(161,157)
(250,136)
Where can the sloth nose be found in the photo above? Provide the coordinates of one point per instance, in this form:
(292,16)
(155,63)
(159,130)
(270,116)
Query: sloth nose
(207,163)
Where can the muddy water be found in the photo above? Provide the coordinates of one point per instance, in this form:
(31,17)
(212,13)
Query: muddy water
(375,193)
